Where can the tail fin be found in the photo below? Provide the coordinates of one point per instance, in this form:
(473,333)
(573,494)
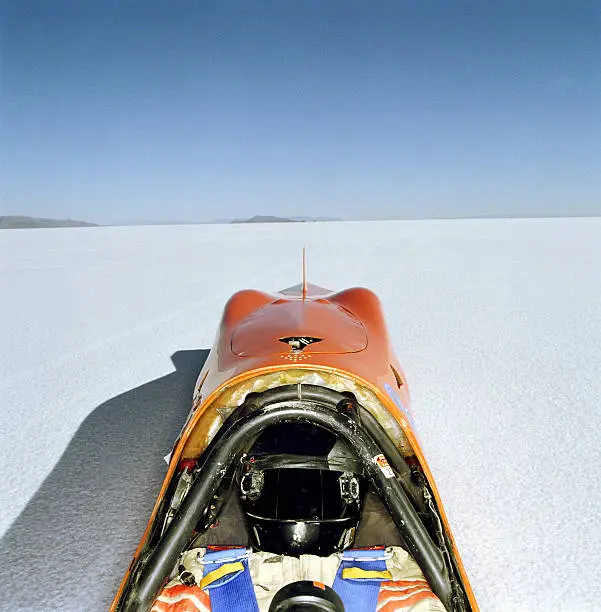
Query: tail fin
(304,273)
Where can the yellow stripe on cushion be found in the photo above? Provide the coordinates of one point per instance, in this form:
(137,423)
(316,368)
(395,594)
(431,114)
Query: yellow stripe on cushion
(351,573)
(220,572)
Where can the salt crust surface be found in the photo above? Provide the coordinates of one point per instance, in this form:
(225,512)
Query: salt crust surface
(497,324)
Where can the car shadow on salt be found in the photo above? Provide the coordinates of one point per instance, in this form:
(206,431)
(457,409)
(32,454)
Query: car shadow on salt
(71,545)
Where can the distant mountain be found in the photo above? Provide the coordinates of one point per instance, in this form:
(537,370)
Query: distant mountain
(23,222)
(263,219)
(271,219)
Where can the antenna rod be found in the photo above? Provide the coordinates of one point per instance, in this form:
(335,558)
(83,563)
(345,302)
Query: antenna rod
(304,273)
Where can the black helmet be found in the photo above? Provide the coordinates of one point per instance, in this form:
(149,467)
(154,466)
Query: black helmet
(301,491)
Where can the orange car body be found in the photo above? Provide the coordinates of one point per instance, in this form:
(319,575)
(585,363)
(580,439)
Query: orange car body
(352,342)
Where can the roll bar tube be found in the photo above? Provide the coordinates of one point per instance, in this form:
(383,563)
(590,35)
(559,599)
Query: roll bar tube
(276,406)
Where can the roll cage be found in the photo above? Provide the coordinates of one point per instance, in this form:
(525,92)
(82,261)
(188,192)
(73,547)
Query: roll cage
(405,494)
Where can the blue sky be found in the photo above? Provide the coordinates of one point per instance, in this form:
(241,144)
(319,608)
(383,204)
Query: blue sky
(128,110)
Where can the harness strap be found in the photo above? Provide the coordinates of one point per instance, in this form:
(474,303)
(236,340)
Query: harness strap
(227,579)
(359,577)
(223,570)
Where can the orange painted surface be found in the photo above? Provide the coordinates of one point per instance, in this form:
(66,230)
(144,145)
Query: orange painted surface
(351,323)
(354,343)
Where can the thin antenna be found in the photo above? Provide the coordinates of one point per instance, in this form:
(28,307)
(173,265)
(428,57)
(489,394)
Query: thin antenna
(304,273)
